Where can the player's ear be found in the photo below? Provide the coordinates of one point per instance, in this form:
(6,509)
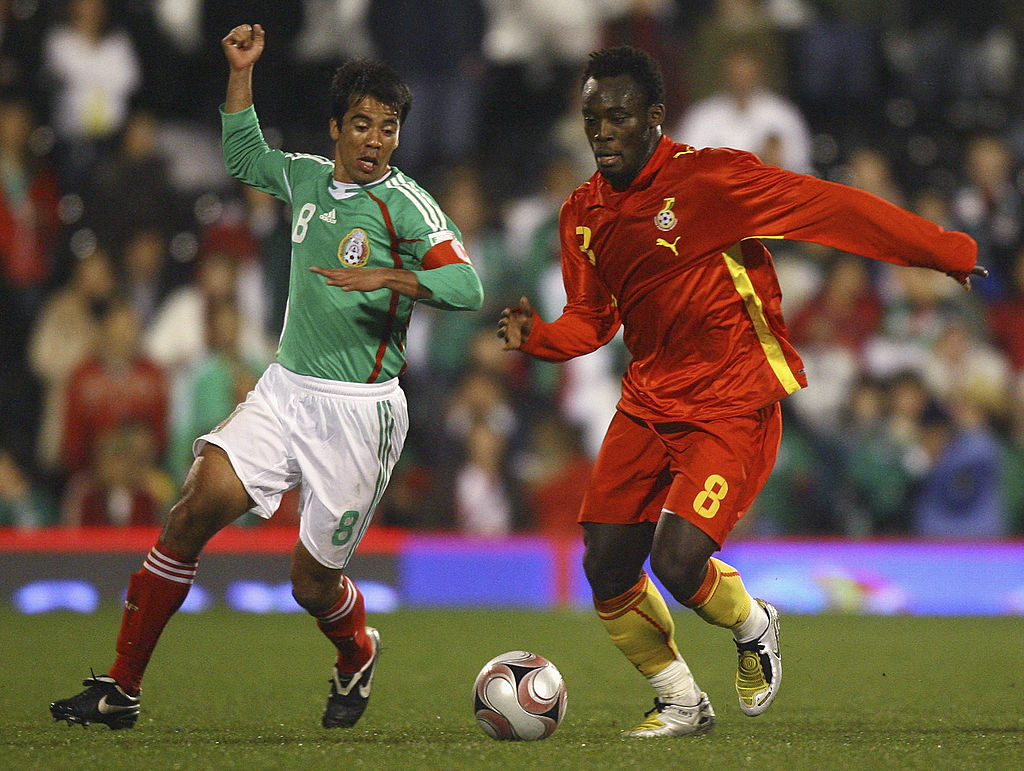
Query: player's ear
(656,115)
(335,131)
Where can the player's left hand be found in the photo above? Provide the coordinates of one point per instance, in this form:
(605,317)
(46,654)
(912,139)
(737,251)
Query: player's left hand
(398,280)
(964,279)
(362,280)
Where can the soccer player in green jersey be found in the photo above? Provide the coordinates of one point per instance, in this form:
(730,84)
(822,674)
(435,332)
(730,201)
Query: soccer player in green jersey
(367,244)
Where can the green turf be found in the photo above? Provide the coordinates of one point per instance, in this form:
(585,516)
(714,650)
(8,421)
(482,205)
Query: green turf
(231,690)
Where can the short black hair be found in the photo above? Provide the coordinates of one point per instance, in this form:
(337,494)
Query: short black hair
(358,78)
(627,60)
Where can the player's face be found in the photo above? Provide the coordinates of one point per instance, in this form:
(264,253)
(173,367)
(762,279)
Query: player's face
(623,132)
(364,141)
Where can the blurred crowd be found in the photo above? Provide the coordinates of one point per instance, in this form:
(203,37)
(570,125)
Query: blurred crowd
(142,290)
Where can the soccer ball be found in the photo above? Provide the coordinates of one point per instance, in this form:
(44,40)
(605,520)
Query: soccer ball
(519,696)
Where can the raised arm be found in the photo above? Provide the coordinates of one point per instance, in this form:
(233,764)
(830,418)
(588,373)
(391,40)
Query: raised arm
(242,46)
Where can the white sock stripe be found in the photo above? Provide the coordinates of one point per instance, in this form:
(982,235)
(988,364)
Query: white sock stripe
(178,578)
(349,601)
(161,565)
(157,554)
(155,565)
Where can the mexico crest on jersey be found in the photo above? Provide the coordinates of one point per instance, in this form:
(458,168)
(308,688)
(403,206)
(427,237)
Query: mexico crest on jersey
(665,219)
(354,249)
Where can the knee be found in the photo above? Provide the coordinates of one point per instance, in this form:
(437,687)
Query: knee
(608,577)
(190,524)
(314,594)
(680,573)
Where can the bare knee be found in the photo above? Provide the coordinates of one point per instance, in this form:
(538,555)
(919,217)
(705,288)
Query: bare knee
(680,573)
(614,556)
(211,498)
(679,556)
(315,587)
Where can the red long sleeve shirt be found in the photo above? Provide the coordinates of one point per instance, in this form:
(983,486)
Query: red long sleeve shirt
(677,260)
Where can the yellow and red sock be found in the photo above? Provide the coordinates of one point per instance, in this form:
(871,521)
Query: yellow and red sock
(722,599)
(640,625)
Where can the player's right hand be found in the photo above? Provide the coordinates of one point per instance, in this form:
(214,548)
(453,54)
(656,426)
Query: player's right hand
(515,324)
(243,45)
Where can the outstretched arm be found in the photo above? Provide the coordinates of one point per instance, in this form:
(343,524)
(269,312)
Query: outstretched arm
(242,46)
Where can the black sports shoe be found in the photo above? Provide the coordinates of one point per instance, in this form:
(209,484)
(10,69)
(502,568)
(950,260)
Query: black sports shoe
(350,693)
(102,702)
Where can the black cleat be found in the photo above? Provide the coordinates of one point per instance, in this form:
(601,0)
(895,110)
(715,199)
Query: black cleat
(350,693)
(102,702)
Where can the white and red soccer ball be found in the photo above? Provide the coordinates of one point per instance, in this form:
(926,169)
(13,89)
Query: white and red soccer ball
(519,696)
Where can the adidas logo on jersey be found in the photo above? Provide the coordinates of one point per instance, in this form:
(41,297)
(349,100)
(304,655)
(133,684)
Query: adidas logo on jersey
(329,217)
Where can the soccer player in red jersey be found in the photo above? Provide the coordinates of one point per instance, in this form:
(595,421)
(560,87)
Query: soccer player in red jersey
(666,241)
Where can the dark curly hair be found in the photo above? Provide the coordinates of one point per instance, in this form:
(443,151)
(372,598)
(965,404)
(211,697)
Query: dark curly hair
(627,60)
(358,78)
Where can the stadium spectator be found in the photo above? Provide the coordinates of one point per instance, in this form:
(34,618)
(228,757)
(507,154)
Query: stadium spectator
(962,360)
(744,114)
(726,25)
(329,416)
(440,342)
(530,50)
(129,187)
(115,489)
(831,332)
(989,206)
(1004,317)
(24,504)
(218,381)
(960,496)
(29,222)
(145,272)
(869,170)
(838,70)
(792,501)
(484,504)
(114,386)
(698,424)
(64,334)
(847,311)
(22,26)
(443,68)
(872,482)
(554,470)
(918,305)
(332,31)
(178,336)
(92,70)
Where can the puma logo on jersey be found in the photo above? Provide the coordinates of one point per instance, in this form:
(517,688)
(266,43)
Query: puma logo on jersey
(329,217)
(667,245)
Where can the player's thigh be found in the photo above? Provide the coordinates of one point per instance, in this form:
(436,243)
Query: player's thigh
(720,466)
(630,478)
(254,440)
(345,470)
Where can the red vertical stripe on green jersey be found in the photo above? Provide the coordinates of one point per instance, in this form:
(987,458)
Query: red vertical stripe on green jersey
(382,348)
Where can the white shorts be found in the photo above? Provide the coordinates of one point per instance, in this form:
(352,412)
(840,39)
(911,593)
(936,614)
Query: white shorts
(339,440)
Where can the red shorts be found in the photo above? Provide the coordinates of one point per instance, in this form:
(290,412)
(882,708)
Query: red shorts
(707,472)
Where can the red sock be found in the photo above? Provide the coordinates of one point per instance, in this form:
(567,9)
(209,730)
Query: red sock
(344,624)
(154,594)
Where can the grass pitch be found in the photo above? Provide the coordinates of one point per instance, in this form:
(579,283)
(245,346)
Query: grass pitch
(231,690)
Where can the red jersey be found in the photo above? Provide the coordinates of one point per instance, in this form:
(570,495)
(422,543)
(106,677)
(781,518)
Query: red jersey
(676,259)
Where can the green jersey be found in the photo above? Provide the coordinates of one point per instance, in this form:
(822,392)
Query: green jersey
(329,333)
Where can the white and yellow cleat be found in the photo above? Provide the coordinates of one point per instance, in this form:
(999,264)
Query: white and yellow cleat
(759,669)
(676,720)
